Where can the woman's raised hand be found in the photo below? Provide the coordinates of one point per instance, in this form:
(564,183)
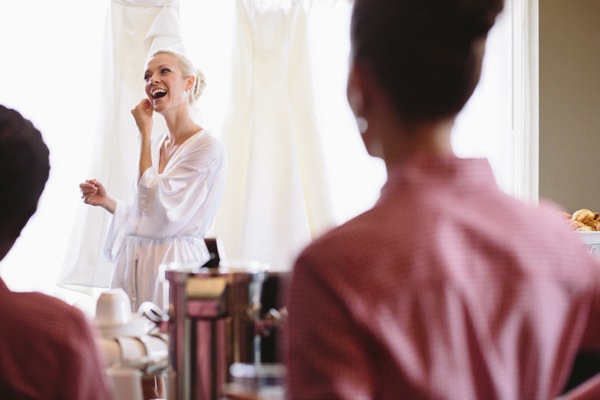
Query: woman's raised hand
(94,193)
(142,113)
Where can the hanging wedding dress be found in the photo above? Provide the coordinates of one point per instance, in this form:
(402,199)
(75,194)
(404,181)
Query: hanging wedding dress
(276,196)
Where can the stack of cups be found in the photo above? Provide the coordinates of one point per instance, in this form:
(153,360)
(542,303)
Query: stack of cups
(126,383)
(112,310)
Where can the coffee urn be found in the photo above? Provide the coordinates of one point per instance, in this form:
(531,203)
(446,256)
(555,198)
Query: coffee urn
(215,319)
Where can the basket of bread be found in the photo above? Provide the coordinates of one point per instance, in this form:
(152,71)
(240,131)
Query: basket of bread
(587,225)
(584,220)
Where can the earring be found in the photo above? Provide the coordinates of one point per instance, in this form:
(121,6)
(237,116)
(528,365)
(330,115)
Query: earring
(362,124)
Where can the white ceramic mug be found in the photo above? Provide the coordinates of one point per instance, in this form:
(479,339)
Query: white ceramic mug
(125,383)
(113,308)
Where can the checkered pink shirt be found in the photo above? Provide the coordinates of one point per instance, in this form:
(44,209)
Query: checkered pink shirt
(47,350)
(446,289)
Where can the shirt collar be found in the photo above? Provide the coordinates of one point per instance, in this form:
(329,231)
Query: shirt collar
(440,170)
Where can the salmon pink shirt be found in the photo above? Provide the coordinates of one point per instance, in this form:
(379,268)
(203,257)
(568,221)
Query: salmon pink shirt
(47,350)
(447,288)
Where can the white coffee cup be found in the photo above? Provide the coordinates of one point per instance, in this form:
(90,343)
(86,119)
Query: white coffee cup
(113,308)
(125,383)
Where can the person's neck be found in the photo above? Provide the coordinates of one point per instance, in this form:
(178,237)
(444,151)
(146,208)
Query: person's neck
(423,138)
(180,125)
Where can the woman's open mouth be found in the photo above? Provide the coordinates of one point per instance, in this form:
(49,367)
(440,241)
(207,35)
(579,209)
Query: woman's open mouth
(158,93)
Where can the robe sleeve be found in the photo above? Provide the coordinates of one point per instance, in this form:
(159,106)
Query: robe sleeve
(116,232)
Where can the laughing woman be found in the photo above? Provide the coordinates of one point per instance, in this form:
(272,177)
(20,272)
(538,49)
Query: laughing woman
(178,189)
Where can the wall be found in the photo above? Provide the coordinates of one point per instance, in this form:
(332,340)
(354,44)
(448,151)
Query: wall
(570,102)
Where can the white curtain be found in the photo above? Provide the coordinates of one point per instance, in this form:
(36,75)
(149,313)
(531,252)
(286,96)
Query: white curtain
(135,28)
(276,197)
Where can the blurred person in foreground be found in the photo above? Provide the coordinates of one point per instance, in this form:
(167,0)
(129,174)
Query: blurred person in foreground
(47,348)
(447,288)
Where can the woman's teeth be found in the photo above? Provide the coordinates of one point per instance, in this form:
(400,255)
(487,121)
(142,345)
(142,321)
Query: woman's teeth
(157,94)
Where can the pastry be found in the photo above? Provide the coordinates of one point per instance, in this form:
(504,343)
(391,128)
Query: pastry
(585,220)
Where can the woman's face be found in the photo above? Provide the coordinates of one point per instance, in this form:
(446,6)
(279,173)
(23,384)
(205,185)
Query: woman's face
(164,84)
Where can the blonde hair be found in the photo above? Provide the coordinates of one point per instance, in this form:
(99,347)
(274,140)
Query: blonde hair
(187,69)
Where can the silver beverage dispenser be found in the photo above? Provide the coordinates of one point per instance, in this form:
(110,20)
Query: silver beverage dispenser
(216,319)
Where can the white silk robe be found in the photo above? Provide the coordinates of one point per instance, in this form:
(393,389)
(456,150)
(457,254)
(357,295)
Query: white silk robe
(168,218)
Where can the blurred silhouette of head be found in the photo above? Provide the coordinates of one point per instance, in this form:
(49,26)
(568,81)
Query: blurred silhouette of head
(24,170)
(425,54)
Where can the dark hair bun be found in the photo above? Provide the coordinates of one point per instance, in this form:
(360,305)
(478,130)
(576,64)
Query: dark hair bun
(425,53)
(464,20)
(472,18)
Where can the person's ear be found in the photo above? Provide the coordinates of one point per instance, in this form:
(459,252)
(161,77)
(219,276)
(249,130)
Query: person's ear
(354,91)
(359,96)
(190,83)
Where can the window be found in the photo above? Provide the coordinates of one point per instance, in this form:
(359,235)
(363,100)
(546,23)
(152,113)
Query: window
(53,75)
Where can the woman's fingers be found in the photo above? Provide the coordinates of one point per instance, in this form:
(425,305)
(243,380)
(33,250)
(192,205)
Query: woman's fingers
(89,183)
(142,113)
(88,193)
(89,188)
(143,106)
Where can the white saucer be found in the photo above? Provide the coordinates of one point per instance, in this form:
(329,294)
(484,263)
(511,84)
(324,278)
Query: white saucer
(137,326)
